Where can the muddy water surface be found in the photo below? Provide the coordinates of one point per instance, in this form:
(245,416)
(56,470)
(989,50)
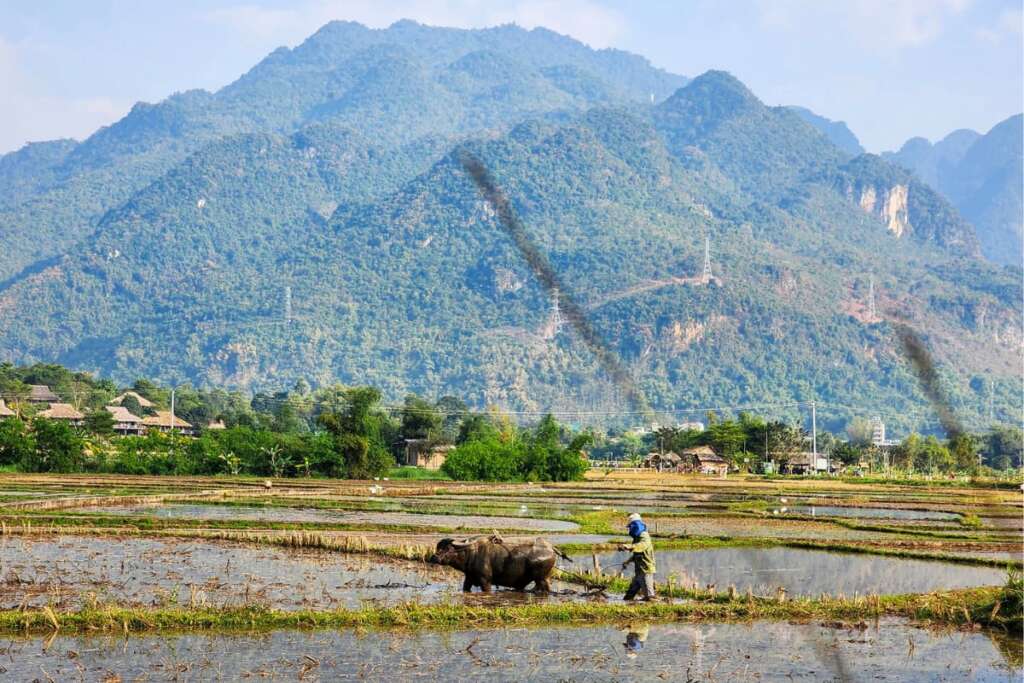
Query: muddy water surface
(64,570)
(68,571)
(809,572)
(286,514)
(634,651)
(872,513)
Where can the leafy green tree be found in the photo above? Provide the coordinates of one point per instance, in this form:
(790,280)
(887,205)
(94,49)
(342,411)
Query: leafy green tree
(288,420)
(488,459)
(16,442)
(58,448)
(1003,447)
(357,433)
(726,437)
(964,449)
(132,405)
(848,452)
(149,390)
(100,422)
(454,411)
(908,452)
(934,456)
(420,419)
(476,427)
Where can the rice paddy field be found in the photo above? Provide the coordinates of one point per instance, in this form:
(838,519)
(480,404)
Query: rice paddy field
(118,578)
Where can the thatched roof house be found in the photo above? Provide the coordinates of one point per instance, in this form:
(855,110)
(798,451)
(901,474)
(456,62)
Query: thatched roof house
(141,400)
(662,461)
(162,422)
(40,393)
(62,411)
(4,410)
(703,460)
(124,421)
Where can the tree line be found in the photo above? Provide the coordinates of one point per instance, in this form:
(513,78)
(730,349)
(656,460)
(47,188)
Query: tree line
(749,441)
(335,431)
(340,431)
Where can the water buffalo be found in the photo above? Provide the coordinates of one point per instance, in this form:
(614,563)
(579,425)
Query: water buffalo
(489,561)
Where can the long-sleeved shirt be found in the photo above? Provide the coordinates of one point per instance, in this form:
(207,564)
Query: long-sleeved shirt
(643,553)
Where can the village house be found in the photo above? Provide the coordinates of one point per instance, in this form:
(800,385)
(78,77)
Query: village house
(426,454)
(216,426)
(63,411)
(125,423)
(164,421)
(803,463)
(141,400)
(703,460)
(5,411)
(663,462)
(40,393)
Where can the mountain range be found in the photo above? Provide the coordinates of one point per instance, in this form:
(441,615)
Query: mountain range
(312,220)
(980,174)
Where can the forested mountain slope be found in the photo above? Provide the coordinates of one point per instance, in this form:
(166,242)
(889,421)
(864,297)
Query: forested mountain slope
(393,85)
(311,221)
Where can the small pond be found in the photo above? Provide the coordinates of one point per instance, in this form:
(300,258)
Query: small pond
(636,651)
(314,515)
(808,572)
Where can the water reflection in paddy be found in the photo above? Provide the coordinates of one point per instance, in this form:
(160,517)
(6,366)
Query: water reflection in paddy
(810,572)
(873,513)
(286,514)
(628,651)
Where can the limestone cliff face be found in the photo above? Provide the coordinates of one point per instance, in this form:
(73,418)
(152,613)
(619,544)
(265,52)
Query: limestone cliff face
(905,205)
(893,209)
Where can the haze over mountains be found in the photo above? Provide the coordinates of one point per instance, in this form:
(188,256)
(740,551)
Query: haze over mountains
(310,221)
(980,174)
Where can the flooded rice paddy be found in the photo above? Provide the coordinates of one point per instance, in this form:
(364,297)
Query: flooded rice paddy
(757,527)
(314,515)
(64,571)
(68,572)
(890,650)
(807,572)
(872,513)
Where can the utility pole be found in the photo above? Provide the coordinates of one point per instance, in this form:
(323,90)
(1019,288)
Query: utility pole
(814,435)
(173,389)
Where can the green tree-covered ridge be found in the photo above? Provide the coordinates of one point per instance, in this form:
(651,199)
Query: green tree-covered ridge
(344,431)
(333,182)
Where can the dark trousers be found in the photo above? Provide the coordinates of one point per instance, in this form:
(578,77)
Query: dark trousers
(642,583)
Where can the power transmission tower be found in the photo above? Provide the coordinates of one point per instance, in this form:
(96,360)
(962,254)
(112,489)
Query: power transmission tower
(872,311)
(555,318)
(288,304)
(707,259)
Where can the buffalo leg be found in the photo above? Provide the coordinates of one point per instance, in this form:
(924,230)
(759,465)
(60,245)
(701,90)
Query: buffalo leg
(485,585)
(467,585)
(541,586)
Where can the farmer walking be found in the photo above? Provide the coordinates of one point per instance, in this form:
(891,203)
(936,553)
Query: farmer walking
(642,558)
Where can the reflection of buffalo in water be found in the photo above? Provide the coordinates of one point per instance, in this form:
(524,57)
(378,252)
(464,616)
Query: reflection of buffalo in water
(489,561)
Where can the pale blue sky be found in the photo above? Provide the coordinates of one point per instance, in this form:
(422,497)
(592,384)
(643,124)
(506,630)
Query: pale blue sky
(890,68)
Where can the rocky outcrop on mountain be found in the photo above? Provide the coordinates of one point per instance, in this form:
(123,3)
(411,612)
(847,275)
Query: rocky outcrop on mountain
(982,175)
(904,204)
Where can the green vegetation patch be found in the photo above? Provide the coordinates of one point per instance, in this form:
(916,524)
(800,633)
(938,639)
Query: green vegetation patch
(957,608)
